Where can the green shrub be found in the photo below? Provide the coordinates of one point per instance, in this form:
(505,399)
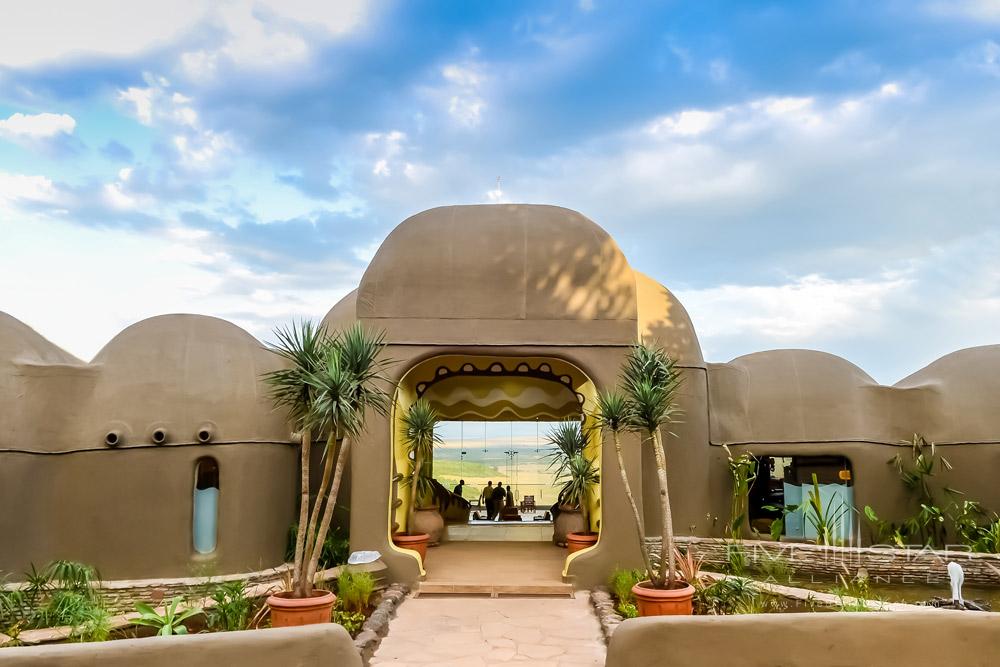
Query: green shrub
(354,589)
(733,595)
(336,548)
(775,568)
(854,594)
(232,607)
(351,620)
(621,582)
(60,594)
(736,558)
(627,610)
(171,622)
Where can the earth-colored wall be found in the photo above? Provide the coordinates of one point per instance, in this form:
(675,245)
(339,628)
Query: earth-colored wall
(127,509)
(915,639)
(327,644)
(801,402)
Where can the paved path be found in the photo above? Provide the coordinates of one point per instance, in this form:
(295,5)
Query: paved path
(475,632)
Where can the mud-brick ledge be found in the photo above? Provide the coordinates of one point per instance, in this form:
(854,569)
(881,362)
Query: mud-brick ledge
(883,564)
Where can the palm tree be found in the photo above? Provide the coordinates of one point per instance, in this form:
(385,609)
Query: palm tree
(651,381)
(615,414)
(418,424)
(331,384)
(567,441)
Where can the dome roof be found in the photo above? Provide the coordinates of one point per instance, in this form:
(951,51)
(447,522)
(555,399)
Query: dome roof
(665,322)
(343,314)
(21,343)
(964,386)
(793,395)
(180,372)
(501,263)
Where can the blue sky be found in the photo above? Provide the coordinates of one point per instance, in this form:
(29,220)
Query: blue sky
(822,175)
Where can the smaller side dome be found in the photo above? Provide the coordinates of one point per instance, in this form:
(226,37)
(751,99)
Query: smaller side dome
(966,384)
(795,396)
(343,314)
(185,374)
(665,322)
(21,343)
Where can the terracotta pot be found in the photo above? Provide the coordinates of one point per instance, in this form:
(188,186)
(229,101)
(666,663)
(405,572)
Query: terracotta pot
(430,522)
(577,541)
(663,601)
(569,520)
(416,542)
(287,611)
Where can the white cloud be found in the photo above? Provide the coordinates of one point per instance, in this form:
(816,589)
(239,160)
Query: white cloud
(202,150)
(36,126)
(141,100)
(27,188)
(463,91)
(984,57)
(803,310)
(259,32)
(157,104)
(687,123)
(986,11)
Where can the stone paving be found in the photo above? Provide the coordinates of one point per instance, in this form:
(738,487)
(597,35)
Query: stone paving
(475,631)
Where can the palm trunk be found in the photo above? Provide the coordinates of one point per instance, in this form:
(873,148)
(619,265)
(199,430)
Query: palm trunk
(302,530)
(668,569)
(412,514)
(331,504)
(305,584)
(635,508)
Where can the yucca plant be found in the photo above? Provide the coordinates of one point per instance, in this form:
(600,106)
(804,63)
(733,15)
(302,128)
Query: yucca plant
(419,424)
(329,384)
(567,441)
(615,415)
(650,380)
(578,476)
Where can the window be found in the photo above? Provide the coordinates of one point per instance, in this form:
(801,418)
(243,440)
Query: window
(788,480)
(205,523)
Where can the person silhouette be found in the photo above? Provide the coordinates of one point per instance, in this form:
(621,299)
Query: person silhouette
(458,488)
(486,498)
(498,495)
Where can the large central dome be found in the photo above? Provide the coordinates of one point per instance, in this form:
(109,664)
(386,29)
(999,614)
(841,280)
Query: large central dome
(499,262)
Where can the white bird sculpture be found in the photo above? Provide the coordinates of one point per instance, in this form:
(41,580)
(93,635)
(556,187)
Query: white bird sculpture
(957,576)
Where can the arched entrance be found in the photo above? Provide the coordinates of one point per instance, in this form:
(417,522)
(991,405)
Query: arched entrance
(510,555)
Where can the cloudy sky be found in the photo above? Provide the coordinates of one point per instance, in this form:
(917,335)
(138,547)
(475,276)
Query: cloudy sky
(822,175)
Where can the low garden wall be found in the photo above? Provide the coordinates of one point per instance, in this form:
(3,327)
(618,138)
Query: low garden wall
(883,564)
(915,639)
(325,644)
(121,595)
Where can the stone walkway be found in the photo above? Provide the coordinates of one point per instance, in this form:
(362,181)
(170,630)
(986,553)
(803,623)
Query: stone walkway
(475,632)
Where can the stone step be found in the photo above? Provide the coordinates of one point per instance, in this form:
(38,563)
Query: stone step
(493,590)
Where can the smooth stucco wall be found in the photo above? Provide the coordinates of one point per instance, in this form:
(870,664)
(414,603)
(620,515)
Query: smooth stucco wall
(327,644)
(916,639)
(129,512)
(127,509)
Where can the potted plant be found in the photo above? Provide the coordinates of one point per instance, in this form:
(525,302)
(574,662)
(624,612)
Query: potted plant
(650,381)
(328,384)
(422,516)
(568,442)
